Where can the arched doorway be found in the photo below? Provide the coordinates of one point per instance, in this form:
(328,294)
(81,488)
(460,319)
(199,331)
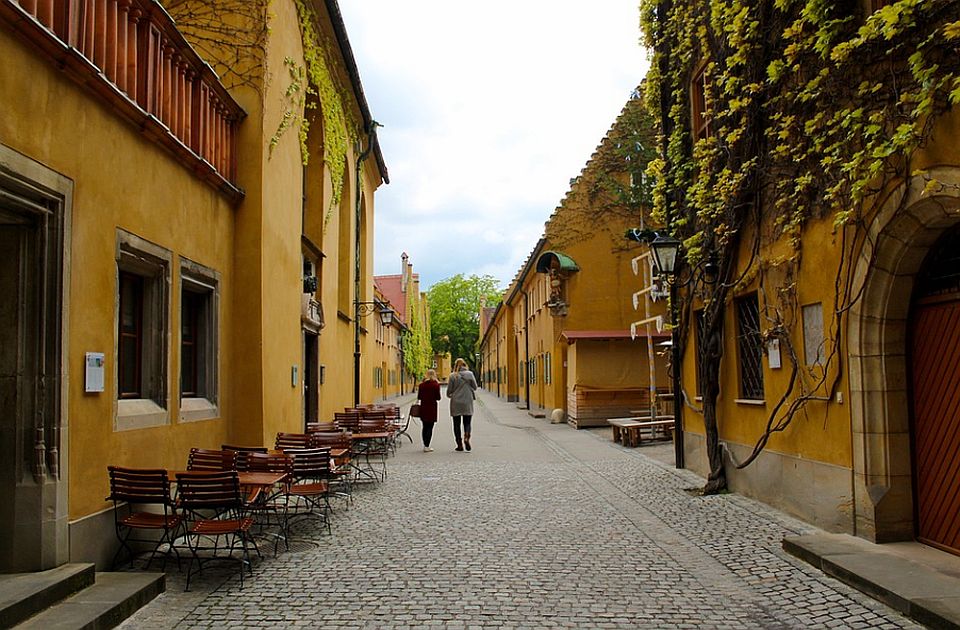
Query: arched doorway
(898,241)
(935,394)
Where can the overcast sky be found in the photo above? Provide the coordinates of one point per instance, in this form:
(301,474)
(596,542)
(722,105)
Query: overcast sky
(488,110)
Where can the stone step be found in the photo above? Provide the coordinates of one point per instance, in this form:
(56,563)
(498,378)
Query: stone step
(25,594)
(105,604)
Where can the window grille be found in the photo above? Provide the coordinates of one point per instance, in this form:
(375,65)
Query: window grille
(750,347)
(701,348)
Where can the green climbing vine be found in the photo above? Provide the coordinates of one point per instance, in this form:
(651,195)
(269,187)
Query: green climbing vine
(417,354)
(814,109)
(316,86)
(339,127)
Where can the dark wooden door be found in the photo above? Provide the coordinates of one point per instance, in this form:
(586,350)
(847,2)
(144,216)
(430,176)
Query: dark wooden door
(936,411)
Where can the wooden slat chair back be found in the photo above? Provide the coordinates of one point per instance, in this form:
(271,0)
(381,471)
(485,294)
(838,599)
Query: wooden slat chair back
(315,427)
(212,506)
(130,487)
(312,470)
(202,459)
(292,440)
(348,420)
(243,453)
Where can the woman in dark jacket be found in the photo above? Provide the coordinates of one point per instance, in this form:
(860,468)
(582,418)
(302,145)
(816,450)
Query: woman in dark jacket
(429,394)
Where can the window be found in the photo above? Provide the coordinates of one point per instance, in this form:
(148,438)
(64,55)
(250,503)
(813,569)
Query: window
(532,370)
(190,305)
(199,337)
(547,369)
(522,377)
(813,349)
(131,336)
(699,122)
(749,347)
(142,320)
(701,348)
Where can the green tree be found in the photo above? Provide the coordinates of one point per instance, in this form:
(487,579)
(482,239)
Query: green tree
(455,312)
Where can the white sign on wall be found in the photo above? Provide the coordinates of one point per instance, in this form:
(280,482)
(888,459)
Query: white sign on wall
(93,372)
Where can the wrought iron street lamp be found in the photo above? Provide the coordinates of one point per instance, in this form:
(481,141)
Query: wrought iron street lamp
(666,252)
(362,309)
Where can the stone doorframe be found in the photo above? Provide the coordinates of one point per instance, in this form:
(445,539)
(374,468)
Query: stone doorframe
(898,241)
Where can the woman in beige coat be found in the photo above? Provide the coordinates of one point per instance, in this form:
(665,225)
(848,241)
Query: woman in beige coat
(460,388)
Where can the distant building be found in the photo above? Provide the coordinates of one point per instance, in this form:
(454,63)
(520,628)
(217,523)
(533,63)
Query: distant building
(563,336)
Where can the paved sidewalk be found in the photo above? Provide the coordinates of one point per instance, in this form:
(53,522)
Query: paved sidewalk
(541,526)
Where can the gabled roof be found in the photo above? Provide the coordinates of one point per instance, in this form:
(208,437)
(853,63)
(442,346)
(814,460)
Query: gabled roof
(389,286)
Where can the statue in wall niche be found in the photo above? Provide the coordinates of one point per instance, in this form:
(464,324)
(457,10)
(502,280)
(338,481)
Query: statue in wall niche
(556,304)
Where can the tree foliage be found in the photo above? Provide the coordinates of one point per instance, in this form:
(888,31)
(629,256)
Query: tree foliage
(815,108)
(455,312)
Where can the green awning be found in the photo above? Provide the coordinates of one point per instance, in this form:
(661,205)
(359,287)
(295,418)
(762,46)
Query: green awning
(546,259)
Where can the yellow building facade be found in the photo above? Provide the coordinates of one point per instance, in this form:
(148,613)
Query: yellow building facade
(563,338)
(186,279)
(838,373)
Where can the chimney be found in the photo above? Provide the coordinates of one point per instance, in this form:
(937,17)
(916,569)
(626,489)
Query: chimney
(403,272)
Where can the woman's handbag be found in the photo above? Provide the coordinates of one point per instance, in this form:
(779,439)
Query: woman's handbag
(415,410)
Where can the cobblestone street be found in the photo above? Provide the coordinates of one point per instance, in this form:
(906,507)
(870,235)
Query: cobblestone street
(541,526)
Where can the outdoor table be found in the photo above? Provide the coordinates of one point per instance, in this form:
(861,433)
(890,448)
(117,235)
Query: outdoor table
(364,446)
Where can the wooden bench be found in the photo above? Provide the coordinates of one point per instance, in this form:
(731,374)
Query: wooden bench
(620,425)
(630,431)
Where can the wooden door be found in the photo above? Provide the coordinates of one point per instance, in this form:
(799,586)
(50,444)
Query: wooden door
(936,416)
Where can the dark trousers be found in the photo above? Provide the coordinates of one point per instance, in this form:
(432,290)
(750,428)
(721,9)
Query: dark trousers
(427,432)
(456,426)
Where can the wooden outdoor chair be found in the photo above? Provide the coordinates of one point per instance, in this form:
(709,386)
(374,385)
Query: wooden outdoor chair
(212,506)
(342,471)
(201,459)
(132,487)
(292,440)
(311,475)
(243,453)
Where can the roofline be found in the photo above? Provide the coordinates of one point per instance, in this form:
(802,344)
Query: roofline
(493,318)
(340,30)
(530,263)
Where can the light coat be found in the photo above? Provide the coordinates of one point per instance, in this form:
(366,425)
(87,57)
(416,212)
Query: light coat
(460,390)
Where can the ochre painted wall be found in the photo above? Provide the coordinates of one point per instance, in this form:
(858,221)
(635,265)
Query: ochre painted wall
(164,204)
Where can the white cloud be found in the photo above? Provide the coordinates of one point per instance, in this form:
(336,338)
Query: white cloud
(489,109)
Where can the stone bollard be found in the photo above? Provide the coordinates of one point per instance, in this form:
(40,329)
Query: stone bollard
(557,416)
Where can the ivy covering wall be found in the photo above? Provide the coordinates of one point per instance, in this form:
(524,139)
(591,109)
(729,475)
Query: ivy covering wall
(815,108)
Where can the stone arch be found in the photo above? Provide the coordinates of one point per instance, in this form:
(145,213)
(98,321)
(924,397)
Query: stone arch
(897,242)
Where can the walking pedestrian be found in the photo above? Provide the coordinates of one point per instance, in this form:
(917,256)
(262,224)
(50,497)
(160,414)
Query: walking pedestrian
(428,395)
(460,391)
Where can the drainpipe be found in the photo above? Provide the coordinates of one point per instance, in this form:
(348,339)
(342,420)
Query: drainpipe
(526,346)
(497,331)
(371,132)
